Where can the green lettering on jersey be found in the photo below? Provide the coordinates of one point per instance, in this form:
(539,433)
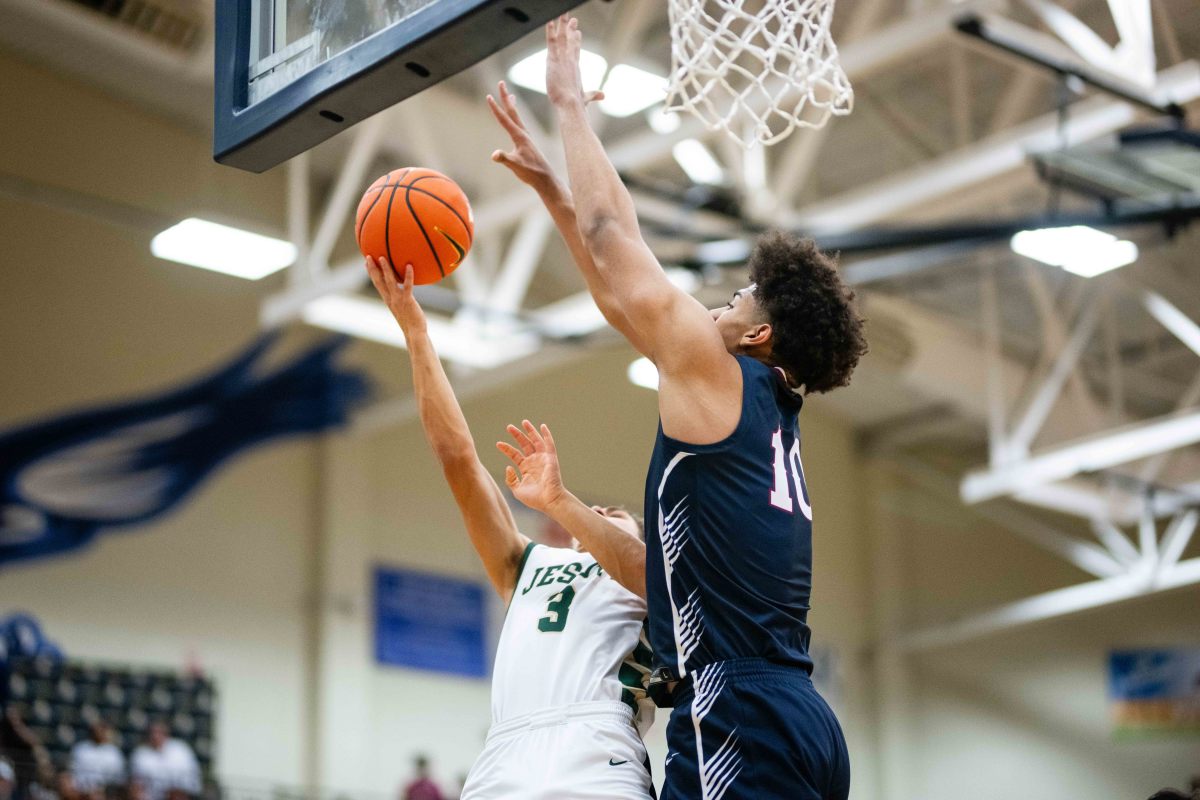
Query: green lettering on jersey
(549,576)
(532,580)
(594,566)
(570,571)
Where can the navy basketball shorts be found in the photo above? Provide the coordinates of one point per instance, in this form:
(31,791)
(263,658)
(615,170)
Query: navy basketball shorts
(748,728)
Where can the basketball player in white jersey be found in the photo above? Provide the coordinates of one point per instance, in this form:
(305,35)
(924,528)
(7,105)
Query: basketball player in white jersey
(568,681)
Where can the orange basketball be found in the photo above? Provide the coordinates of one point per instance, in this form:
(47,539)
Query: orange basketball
(415,216)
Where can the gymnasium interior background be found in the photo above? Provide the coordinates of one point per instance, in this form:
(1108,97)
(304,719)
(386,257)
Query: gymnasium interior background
(262,578)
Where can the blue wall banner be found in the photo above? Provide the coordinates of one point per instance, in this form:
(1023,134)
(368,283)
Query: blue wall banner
(68,478)
(1155,691)
(430,622)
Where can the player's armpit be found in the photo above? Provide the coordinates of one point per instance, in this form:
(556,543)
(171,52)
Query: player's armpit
(699,381)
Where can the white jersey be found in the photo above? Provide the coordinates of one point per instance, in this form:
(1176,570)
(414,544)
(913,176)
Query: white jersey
(572,634)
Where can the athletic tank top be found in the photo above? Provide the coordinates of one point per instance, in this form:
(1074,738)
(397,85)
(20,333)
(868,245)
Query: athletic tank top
(729,537)
(571,634)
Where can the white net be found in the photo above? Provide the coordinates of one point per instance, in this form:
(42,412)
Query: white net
(757,69)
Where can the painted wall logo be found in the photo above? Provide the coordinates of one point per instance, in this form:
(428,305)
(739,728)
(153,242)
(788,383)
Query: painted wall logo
(1155,691)
(65,479)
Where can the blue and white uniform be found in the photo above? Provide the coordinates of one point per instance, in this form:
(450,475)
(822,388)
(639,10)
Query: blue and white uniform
(728,579)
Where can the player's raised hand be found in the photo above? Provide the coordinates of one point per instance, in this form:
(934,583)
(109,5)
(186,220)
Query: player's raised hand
(397,294)
(563,42)
(525,160)
(534,477)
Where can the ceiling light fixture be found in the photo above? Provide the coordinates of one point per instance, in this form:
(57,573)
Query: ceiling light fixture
(628,90)
(642,372)
(699,164)
(220,248)
(1078,249)
(530,72)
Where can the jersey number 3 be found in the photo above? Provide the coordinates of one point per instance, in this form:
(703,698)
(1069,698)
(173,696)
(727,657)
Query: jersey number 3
(781,493)
(558,607)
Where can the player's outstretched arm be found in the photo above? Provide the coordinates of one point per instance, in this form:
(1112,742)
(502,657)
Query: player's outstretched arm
(530,166)
(484,510)
(536,480)
(676,329)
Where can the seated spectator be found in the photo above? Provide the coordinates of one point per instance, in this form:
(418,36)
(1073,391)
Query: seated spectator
(164,766)
(8,780)
(21,748)
(422,787)
(45,784)
(97,763)
(66,787)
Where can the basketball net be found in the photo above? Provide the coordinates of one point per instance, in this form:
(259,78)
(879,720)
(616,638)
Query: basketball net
(756,74)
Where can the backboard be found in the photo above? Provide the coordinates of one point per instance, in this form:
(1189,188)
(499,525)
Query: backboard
(291,73)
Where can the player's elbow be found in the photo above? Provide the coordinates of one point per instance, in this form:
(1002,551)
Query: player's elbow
(602,233)
(454,455)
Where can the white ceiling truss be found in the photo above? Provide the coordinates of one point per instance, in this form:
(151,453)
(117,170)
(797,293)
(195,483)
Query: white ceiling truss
(485,321)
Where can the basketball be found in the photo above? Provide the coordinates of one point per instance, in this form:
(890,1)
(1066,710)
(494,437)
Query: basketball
(415,216)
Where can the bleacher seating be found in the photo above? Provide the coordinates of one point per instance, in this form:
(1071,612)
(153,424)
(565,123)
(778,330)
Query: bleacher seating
(59,700)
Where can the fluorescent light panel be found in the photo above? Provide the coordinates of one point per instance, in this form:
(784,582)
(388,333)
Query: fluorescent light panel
(220,248)
(627,89)
(1078,249)
(530,72)
(643,373)
(663,122)
(696,160)
(370,319)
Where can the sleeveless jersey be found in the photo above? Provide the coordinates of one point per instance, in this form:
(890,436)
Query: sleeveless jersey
(571,634)
(729,537)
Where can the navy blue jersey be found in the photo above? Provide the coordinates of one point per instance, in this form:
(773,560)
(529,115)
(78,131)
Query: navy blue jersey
(729,537)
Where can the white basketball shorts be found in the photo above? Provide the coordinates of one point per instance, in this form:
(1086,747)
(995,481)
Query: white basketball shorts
(585,751)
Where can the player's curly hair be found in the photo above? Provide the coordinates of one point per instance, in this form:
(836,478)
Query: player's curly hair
(817,333)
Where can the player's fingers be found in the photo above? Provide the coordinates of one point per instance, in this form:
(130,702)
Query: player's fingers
(376,276)
(521,439)
(501,117)
(510,105)
(593,97)
(515,455)
(532,432)
(408,277)
(510,478)
(549,437)
(385,270)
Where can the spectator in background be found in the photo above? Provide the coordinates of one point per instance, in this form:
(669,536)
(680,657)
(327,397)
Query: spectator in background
(97,763)
(8,780)
(164,766)
(22,748)
(45,785)
(422,787)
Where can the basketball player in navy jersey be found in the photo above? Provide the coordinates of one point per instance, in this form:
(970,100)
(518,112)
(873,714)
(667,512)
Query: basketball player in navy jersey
(729,523)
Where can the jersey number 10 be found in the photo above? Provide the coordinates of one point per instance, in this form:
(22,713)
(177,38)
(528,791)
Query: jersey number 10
(781,494)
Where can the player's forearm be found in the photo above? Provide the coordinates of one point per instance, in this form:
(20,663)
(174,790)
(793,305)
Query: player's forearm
(620,555)
(441,416)
(603,206)
(558,201)
(609,227)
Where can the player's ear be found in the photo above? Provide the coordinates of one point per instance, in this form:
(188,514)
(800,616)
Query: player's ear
(757,335)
